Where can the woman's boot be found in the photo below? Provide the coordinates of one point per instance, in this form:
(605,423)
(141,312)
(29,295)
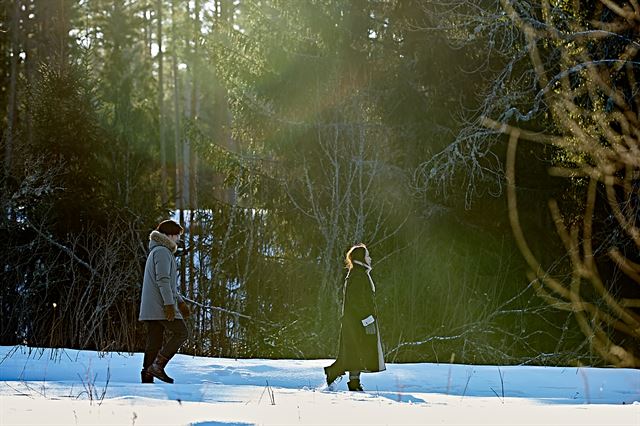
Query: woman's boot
(331,374)
(157,368)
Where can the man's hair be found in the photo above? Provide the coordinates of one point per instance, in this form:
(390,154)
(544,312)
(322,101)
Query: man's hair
(170,227)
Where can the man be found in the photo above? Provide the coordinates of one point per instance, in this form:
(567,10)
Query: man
(162,308)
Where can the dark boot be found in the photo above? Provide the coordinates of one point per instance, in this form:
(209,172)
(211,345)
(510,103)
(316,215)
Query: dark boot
(331,374)
(354,385)
(157,368)
(145,376)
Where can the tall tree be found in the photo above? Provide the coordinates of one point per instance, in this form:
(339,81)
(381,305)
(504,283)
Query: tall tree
(177,138)
(14,53)
(161,109)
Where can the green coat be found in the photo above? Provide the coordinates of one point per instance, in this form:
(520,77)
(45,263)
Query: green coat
(359,351)
(160,284)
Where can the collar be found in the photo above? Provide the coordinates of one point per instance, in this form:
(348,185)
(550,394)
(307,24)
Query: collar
(364,265)
(367,269)
(163,240)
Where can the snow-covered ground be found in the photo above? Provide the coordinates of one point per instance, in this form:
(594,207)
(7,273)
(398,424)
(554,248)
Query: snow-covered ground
(69,387)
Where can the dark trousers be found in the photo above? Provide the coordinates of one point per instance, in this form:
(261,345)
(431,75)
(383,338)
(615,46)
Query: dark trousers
(155,337)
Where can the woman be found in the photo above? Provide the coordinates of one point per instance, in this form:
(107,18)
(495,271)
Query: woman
(161,306)
(360,349)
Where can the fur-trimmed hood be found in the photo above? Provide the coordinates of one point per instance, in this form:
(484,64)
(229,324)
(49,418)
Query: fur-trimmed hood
(158,238)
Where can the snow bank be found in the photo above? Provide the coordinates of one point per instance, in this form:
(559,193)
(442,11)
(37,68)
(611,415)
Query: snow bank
(84,387)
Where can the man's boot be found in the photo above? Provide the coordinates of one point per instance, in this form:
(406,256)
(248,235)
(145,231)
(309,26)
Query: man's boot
(157,368)
(354,385)
(146,376)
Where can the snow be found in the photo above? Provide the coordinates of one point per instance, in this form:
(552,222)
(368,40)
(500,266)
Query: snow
(69,387)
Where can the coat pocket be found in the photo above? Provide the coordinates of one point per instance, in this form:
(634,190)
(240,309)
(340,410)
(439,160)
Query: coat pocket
(369,324)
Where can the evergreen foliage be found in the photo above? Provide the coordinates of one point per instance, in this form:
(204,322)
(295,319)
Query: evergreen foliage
(280,134)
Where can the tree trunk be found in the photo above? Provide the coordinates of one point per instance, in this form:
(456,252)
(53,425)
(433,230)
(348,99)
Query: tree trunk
(13,78)
(30,69)
(193,166)
(176,110)
(163,148)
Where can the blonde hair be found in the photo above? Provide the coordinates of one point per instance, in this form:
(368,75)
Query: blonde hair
(348,261)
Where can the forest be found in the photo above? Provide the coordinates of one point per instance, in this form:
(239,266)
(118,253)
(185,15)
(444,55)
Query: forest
(487,152)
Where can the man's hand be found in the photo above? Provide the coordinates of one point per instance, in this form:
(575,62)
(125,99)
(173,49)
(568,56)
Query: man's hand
(170,312)
(184,310)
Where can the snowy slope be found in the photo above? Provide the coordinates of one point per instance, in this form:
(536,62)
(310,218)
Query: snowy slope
(71,387)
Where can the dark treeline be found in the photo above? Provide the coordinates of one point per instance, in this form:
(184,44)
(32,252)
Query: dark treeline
(280,133)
